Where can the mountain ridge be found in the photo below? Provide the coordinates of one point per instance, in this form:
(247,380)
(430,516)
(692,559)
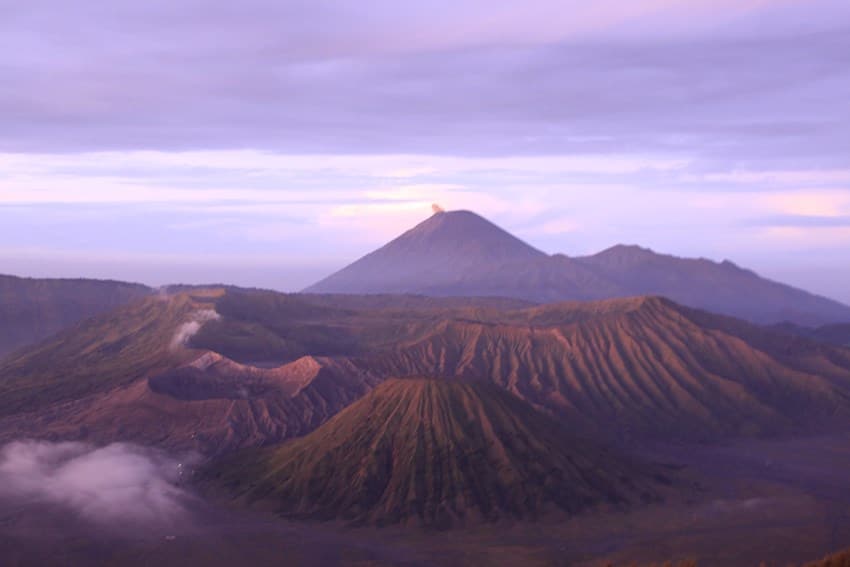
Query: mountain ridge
(458,253)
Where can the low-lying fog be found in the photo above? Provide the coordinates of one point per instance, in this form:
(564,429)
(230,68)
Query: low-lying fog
(777,501)
(119,483)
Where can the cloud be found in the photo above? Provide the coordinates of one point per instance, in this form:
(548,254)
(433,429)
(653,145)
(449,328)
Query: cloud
(559,226)
(774,177)
(119,483)
(810,203)
(801,221)
(734,80)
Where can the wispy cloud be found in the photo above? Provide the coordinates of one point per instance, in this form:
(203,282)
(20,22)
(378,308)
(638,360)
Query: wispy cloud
(802,222)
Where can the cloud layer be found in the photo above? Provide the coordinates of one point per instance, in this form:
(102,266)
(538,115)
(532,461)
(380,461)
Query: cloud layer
(116,484)
(759,80)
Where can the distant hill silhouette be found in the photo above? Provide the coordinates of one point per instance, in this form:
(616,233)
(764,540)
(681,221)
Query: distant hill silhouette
(836,334)
(436,453)
(33,309)
(459,253)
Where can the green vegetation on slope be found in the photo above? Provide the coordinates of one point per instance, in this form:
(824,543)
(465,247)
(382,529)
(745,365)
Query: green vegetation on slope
(107,351)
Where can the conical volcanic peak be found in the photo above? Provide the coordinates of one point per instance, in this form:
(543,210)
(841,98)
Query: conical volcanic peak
(435,453)
(456,233)
(444,250)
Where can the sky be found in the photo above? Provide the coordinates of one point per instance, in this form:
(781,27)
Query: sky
(269,143)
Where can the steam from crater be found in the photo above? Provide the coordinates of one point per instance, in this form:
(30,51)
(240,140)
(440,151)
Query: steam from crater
(187,330)
(437,209)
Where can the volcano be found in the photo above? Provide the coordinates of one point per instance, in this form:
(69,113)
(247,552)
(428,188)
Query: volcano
(459,253)
(436,453)
(440,253)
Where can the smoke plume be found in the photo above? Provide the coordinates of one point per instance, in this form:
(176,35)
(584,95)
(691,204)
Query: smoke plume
(119,483)
(187,330)
(437,209)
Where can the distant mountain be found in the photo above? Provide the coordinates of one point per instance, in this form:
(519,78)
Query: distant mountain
(722,288)
(33,309)
(442,252)
(837,334)
(461,254)
(435,453)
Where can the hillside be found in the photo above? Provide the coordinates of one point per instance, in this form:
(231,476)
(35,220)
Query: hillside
(120,376)
(641,368)
(100,353)
(132,375)
(33,309)
(459,253)
(273,366)
(210,405)
(837,334)
(435,453)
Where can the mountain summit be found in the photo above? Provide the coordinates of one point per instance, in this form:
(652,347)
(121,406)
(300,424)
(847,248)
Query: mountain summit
(459,253)
(446,248)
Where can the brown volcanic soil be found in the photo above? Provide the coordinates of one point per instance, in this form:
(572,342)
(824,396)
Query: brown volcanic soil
(436,453)
(211,405)
(641,367)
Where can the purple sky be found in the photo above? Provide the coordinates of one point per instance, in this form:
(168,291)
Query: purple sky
(270,142)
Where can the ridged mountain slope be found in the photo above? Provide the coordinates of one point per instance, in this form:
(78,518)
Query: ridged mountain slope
(641,368)
(211,405)
(435,453)
(132,375)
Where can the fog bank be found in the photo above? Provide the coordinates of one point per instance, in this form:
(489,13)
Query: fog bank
(117,483)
